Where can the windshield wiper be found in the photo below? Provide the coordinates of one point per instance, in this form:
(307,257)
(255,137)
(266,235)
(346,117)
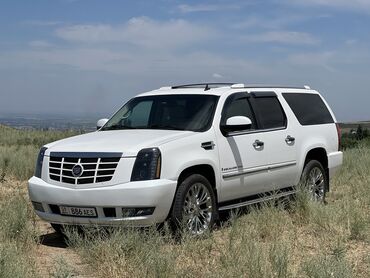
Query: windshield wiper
(118,127)
(170,127)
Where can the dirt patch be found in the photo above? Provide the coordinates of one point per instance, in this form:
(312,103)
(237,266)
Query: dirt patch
(53,249)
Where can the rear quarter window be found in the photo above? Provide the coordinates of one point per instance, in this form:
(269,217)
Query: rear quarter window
(309,109)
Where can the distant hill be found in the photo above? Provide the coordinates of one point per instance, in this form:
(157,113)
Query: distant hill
(29,123)
(347,127)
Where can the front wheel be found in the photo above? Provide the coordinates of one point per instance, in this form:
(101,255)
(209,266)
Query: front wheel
(315,180)
(194,209)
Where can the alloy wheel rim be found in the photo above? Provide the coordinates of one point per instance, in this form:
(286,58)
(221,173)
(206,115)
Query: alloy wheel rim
(316,184)
(197,209)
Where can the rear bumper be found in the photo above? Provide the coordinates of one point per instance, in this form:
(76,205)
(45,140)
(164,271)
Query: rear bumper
(155,193)
(335,161)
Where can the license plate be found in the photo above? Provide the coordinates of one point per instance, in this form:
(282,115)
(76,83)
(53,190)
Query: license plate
(77,211)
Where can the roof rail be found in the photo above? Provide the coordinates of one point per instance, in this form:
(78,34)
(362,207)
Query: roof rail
(252,86)
(206,86)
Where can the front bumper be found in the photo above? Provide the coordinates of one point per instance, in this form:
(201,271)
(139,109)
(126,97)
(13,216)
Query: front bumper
(153,193)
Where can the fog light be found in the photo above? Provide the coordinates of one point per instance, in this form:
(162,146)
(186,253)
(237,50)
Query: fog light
(133,212)
(109,212)
(38,206)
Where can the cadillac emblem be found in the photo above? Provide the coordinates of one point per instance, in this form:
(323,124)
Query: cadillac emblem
(77,170)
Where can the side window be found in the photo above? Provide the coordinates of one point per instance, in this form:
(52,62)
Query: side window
(308,108)
(269,112)
(237,105)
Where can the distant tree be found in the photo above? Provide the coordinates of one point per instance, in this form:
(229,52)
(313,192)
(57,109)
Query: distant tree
(365,133)
(359,133)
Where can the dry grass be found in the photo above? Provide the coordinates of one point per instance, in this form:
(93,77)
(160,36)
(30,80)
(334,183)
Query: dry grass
(305,240)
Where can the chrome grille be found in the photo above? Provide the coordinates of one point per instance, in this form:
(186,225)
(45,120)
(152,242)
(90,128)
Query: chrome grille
(96,167)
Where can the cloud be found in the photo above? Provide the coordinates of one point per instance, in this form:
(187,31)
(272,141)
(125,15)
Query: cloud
(139,31)
(317,59)
(217,76)
(357,5)
(137,64)
(42,23)
(351,41)
(283,37)
(276,22)
(39,44)
(205,8)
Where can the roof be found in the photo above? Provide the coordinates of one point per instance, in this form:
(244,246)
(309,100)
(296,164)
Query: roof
(219,88)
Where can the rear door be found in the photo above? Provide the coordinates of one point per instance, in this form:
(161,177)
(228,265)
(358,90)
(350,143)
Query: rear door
(278,137)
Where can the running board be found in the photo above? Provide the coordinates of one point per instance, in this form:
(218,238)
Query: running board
(258,200)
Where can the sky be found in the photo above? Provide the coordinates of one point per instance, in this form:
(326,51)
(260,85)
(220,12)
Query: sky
(88,57)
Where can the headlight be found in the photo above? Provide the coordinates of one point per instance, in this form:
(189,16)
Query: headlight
(40,160)
(147,165)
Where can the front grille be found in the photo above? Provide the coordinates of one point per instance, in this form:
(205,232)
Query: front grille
(96,167)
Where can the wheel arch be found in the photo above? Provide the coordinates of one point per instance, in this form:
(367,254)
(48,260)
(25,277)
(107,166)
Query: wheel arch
(319,154)
(205,170)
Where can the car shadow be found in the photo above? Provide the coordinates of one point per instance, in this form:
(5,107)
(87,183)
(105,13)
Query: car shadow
(53,239)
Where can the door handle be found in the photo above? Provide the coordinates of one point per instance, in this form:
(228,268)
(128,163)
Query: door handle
(289,139)
(258,144)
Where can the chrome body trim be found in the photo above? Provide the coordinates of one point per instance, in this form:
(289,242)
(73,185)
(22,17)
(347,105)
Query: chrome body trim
(259,169)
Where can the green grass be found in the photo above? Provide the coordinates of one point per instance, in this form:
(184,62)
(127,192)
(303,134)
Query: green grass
(19,150)
(304,240)
(18,231)
(15,137)
(18,237)
(14,263)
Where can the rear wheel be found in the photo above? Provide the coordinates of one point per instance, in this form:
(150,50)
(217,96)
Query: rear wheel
(194,209)
(315,180)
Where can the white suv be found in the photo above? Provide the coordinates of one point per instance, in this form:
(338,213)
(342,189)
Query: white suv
(184,153)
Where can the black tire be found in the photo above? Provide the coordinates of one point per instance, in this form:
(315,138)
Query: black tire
(180,214)
(315,180)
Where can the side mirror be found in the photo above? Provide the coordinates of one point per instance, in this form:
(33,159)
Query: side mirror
(101,123)
(237,123)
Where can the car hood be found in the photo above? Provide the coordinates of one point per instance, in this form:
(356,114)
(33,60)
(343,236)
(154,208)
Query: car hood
(129,142)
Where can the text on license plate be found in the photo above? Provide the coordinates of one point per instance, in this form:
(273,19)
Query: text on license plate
(77,211)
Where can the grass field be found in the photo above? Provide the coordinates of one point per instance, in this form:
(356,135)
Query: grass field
(303,240)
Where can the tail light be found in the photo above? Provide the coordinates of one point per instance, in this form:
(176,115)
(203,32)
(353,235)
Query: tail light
(339,132)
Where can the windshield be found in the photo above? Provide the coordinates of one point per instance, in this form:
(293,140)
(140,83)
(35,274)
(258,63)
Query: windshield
(173,112)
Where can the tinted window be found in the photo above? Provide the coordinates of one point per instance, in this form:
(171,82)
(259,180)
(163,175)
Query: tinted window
(269,112)
(309,109)
(237,106)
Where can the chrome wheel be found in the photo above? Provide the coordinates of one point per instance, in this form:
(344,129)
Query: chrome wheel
(197,210)
(316,184)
